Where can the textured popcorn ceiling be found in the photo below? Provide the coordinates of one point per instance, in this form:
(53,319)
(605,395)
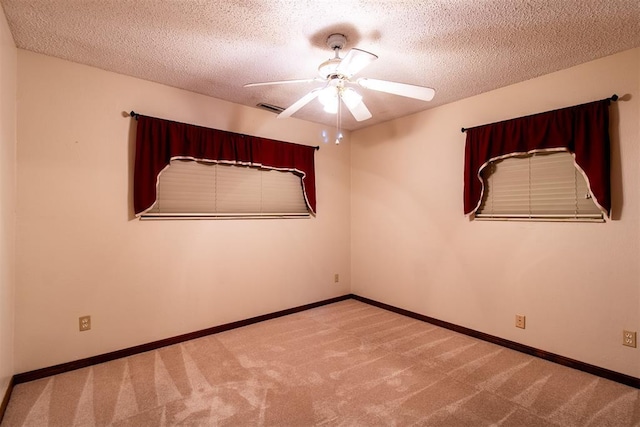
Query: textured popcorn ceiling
(459,47)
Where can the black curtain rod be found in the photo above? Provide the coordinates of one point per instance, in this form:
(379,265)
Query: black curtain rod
(136,115)
(613,97)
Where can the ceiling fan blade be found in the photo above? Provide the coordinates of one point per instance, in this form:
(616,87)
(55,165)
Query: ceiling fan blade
(355,61)
(299,103)
(402,89)
(359,111)
(281,82)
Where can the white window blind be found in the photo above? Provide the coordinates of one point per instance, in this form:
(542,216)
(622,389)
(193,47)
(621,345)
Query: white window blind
(541,186)
(188,189)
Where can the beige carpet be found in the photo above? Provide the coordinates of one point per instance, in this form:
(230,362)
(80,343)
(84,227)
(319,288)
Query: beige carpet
(346,364)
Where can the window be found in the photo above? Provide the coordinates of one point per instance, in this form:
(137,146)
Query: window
(190,189)
(582,130)
(542,186)
(160,142)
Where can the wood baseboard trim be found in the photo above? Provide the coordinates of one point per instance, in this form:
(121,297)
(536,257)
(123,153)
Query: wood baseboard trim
(94,360)
(556,358)
(5,399)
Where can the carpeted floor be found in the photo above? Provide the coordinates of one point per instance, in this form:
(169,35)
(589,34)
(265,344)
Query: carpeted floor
(346,364)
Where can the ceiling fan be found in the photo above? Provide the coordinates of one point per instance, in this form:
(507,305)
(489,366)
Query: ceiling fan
(338,75)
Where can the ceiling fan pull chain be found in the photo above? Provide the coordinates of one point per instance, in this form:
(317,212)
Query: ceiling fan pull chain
(339,121)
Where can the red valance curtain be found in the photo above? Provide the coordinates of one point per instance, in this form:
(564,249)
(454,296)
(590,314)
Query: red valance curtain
(159,141)
(583,130)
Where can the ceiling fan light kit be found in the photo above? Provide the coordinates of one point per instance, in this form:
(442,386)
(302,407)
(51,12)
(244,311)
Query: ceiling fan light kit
(337,73)
(330,97)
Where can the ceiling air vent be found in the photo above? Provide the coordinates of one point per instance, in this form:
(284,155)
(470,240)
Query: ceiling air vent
(272,108)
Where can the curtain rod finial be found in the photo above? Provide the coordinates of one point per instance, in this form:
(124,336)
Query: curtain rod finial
(463,130)
(614,97)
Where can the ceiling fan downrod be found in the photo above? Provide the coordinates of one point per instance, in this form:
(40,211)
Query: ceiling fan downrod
(335,42)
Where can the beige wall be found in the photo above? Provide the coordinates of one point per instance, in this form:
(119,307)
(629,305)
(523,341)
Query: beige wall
(412,247)
(389,221)
(81,253)
(8,66)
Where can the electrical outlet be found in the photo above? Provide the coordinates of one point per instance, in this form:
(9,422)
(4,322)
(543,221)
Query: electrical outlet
(629,339)
(84,323)
(336,278)
(520,321)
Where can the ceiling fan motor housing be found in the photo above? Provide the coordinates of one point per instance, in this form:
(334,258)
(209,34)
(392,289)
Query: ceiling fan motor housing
(328,67)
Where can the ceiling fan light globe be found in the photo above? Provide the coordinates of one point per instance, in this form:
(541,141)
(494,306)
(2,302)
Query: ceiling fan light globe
(331,108)
(351,97)
(328,97)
